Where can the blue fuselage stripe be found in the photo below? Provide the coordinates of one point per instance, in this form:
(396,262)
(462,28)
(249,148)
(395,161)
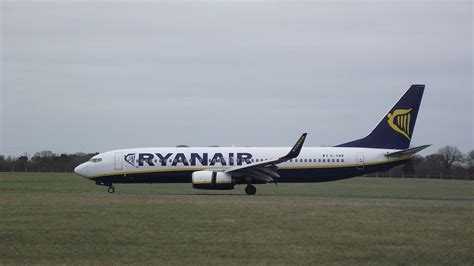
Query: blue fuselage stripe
(303,175)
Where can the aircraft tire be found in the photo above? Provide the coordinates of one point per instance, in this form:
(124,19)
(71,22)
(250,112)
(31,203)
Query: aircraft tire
(111,190)
(250,190)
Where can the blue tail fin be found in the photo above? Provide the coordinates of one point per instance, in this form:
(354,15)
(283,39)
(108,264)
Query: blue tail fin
(396,128)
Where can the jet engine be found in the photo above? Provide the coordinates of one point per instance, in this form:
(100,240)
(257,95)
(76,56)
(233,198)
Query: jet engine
(212,180)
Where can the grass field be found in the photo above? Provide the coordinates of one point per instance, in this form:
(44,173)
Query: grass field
(66,219)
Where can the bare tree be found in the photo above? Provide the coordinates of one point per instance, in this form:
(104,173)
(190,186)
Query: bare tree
(450,156)
(435,162)
(23,162)
(470,159)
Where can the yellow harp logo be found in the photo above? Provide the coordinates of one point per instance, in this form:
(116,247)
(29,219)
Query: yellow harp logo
(399,121)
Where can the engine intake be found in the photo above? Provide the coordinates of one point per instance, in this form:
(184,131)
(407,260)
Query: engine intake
(212,180)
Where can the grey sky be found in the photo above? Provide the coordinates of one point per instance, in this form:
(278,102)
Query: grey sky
(88,76)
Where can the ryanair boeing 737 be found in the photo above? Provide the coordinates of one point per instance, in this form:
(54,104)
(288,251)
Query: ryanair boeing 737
(219,168)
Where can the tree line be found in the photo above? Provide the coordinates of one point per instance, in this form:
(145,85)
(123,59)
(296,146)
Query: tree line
(44,161)
(447,163)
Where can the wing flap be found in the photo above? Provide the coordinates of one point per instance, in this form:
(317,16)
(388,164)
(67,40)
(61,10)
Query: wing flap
(259,175)
(268,171)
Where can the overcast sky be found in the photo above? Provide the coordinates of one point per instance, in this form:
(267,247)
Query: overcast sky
(96,76)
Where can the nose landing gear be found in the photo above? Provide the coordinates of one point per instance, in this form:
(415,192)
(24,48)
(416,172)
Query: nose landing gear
(250,190)
(111,188)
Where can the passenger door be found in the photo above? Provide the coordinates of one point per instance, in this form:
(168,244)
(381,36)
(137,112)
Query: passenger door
(118,165)
(360,161)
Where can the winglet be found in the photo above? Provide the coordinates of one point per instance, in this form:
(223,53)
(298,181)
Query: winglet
(295,151)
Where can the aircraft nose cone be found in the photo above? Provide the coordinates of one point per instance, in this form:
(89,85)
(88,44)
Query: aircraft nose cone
(81,170)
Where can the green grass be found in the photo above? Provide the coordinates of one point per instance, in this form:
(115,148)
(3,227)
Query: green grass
(66,219)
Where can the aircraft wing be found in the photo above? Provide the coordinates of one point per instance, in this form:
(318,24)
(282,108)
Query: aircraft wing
(266,170)
(407,152)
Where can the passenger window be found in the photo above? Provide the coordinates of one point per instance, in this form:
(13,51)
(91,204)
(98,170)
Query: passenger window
(333,160)
(342,160)
(337,160)
(324,160)
(319,160)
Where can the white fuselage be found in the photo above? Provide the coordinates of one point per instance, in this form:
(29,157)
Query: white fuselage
(189,159)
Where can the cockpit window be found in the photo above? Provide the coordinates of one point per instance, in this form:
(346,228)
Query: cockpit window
(95,160)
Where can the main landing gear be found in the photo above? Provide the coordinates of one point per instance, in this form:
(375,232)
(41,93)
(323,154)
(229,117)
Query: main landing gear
(250,190)
(111,189)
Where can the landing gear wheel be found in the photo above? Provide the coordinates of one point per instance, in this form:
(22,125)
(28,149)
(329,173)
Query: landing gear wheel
(250,190)
(111,190)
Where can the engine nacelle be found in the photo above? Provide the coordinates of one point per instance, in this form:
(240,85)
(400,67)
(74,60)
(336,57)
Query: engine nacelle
(212,180)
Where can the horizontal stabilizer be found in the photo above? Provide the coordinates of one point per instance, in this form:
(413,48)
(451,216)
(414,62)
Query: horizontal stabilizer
(407,152)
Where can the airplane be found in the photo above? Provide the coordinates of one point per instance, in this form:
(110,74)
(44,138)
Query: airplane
(222,168)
